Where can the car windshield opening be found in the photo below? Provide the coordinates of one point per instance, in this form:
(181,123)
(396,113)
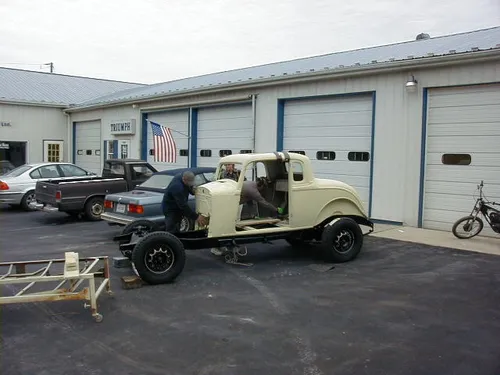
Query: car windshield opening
(159,181)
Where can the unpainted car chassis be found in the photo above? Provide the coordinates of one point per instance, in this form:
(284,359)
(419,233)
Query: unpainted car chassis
(93,268)
(158,257)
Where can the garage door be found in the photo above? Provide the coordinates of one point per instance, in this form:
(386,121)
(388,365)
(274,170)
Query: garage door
(463,148)
(335,133)
(178,122)
(88,145)
(222,131)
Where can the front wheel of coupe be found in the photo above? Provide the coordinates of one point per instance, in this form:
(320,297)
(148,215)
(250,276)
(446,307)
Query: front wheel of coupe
(159,258)
(342,240)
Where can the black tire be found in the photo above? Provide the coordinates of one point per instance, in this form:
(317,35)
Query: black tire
(140,227)
(168,249)
(341,241)
(186,224)
(463,221)
(94,207)
(27,198)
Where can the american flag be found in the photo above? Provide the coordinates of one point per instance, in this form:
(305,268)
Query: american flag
(163,144)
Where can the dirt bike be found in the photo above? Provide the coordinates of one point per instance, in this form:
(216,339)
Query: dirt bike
(483,207)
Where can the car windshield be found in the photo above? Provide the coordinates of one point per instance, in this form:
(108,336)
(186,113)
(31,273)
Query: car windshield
(18,171)
(158,181)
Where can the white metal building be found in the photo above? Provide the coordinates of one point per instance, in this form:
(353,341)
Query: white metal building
(34,127)
(413,126)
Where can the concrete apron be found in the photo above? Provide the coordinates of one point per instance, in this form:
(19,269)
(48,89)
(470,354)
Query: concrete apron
(480,244)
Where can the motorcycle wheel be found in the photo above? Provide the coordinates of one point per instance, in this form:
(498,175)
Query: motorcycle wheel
(466,223)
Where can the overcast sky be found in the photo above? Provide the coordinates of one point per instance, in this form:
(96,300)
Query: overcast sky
(152,41)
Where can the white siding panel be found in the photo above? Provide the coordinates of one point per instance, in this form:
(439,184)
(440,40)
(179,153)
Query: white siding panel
(88,145)
(178,122)
(224,128)
(342,125)
(463,120)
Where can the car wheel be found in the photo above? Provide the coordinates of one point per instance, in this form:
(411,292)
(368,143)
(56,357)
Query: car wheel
(341,240)
(94,208)
(140,228)
(28,198)
(186,225)
(159,258)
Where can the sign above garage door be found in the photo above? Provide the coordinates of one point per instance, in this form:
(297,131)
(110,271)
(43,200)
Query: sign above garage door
(336,134)
(124,127)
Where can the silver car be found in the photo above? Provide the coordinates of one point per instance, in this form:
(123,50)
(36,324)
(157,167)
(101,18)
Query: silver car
(17,187)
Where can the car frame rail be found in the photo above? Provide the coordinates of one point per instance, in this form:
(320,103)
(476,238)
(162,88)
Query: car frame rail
(74,275)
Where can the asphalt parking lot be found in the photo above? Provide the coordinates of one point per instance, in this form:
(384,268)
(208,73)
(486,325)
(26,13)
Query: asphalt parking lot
(400,308)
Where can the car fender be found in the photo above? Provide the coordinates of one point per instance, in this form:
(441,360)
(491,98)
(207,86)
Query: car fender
(340,207)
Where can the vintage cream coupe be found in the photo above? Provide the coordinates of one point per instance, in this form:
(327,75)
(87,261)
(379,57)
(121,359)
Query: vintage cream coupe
(311,210)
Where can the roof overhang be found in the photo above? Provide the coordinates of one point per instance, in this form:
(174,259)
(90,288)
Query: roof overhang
(350,71)
(33,104)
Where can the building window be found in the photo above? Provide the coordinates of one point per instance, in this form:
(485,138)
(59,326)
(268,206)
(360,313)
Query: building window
(223,153)
(183,152)
(97,152)
(325,155)
(245,151)
(89,152)
(79,152)
(206,153)
(456,159)
(358,156)
(298,152)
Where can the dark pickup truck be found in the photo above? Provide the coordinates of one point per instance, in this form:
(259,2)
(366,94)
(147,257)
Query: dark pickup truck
(86,195)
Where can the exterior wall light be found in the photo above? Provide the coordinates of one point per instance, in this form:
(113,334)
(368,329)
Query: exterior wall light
(411,84)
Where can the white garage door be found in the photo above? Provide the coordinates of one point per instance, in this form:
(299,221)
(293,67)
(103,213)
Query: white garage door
(222,130)
(178,122)
(335,133)
(463,148)
(88,145)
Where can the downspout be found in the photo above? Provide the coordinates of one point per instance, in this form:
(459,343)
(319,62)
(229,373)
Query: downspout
(254,122)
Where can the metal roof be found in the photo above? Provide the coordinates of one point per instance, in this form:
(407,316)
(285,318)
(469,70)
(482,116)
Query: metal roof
(18,85)
(467,42)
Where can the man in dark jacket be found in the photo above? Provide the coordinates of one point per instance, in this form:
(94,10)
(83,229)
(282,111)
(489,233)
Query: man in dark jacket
(175,202)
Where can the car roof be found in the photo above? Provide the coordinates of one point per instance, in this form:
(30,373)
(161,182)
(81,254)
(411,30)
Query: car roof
(195,170)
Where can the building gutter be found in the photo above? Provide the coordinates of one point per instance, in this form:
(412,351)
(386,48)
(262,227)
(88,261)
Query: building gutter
(187,105)
(351,71)
(33,104)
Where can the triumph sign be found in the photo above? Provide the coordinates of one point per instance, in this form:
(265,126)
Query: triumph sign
(122,127)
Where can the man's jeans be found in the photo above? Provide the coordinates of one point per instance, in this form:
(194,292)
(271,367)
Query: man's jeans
(172,222)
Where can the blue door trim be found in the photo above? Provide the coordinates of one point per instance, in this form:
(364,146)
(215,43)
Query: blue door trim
(144,136)
(115,149)
(74,142)
(423,143)
(193,145)
(280,130)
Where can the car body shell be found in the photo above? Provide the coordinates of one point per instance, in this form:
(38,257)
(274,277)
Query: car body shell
(116,211)
(22,183)
(311,201)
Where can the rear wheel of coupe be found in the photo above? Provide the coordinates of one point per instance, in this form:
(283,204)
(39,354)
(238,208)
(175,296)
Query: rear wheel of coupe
(342,240)
(94,208)
(159,258)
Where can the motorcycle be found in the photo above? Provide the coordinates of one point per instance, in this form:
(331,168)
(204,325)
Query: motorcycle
(484,207)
